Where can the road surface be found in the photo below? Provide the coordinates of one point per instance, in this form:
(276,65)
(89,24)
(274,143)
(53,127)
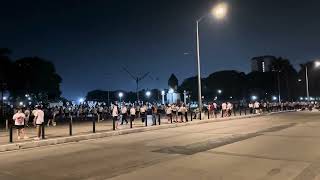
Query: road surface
(282,146)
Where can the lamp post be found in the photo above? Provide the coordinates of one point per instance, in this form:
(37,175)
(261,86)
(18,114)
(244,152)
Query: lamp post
(162,94)
(219,12)
(317,65)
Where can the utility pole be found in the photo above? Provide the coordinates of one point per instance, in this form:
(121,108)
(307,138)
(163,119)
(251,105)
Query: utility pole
(137,79)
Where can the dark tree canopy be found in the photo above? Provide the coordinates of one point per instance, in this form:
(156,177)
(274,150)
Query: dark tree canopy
(173,82)
(29,75)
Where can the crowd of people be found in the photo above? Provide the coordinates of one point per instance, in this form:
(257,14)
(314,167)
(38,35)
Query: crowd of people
(123,112)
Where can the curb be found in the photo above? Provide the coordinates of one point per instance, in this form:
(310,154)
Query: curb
(77,138)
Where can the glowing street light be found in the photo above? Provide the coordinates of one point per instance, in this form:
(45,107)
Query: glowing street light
(317,64)
(21,103)
(120,94)
(254,98)
(274,98)
(81,100)
(29,98)
(4,98)
(219,12)
(148,93)
(219,91)
(163,93)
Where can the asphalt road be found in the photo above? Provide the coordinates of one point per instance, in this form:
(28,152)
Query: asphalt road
(283,146)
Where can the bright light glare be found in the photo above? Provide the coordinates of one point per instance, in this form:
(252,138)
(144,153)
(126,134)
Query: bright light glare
(317,64)
(148,93)
(219,91)
(163,92)
(171,91)
(81,100)
(21,103)
(254,98)
(4,98)
(274,98)
(120,95)
(220,10)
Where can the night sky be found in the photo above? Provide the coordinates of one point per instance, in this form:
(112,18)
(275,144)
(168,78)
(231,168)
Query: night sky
(91,41)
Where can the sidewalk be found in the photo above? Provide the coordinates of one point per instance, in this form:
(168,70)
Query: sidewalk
(83,131)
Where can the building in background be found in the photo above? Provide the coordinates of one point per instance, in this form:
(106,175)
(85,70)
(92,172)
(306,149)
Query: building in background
(262,63)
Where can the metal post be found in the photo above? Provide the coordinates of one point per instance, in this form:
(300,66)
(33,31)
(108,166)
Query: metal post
(70,126)
(190,115)
(145,119)
(208,114)
(199,70)
(307,83)
(279,87)
(93,125)
(10,134)
(159,118)
(240,110)
(130,122)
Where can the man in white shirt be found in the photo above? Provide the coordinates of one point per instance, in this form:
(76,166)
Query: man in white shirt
(19,119)
(38,121)
(115,114)
(224,109)
(124,112)
(132,114)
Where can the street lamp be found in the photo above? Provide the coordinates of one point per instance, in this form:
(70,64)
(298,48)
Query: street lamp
(148,94)
(317,65)
(219,91)
(120,96)
(163,93)
(219,12)
(81,100)
(254,98)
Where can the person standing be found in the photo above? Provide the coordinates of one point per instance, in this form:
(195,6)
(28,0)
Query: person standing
(132,114)
(169,113)
(124,112)
(115,114)
(19,119)
(38,121)
(223,109)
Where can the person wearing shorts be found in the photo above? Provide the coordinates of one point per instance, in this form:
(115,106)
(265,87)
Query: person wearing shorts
(19,119)
(38,121)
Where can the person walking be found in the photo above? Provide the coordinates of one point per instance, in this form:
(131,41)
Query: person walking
(124,112)
(38,121)
(169,113)
(132,114)
(115,114)
(19,119)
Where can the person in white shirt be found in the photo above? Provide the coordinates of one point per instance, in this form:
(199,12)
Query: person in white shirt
(115,114)
(38,121)
(132,114)
(169,113)
(124,112)
(181,111)
(143,110)
(27,113)
(19,119)
(229,108)
(224,109)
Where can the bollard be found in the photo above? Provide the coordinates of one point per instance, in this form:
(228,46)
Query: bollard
(245,111)
(10,134)
(145,120)
(234,113)
(208,114)
(43,131)
(186,116)
(190,115)
(130,122)
(93,125)
(113,123)
(159,118)
(240,110)
(200,115)
(70,127)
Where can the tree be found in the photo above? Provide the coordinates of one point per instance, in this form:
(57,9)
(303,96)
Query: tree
(36,76)
(288,78)
(173,82)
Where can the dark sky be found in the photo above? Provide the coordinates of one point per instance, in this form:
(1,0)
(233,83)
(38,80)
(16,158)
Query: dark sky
(90,41)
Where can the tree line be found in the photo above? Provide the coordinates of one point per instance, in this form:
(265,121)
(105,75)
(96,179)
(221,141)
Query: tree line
(32,76)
